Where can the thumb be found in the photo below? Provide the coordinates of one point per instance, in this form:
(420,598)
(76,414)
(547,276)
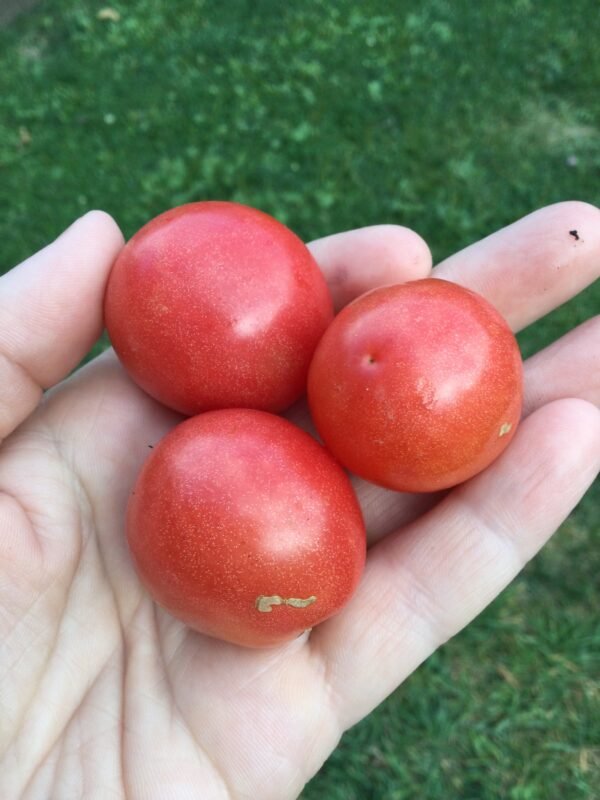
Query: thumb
(51,313)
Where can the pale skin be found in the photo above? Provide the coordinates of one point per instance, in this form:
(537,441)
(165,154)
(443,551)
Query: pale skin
(104,695)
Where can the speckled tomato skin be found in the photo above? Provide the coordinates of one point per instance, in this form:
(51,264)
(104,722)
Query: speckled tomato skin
(237,504)
(217,305)
(418,386)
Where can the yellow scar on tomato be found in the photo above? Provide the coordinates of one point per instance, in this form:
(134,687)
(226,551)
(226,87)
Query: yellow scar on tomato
(265,603)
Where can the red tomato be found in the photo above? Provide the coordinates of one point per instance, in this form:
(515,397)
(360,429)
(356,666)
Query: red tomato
(245,528)
(217,305)
(417,387)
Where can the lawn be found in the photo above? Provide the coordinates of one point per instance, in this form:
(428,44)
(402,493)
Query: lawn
(451,118)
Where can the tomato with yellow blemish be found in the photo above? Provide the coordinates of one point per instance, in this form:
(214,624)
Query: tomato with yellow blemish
(418,386)
(245,528)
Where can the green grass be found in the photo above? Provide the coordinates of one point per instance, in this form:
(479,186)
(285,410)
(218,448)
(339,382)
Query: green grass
(451,118)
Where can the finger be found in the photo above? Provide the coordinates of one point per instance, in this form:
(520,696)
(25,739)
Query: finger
(427,581)
(355,261)
(51,313)
(566,368)
(533,265)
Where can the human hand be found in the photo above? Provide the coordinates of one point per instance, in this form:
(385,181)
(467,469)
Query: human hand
(102,694)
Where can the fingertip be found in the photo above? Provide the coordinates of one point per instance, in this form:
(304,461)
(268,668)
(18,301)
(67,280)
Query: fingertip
(402,251)
(52,302)
(533,265)
(568,429)
(578,211)
(356,261)
(99,224)
(581,418)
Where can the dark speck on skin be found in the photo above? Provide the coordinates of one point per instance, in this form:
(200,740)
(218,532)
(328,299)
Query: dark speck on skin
(151,446)
(574,234)
(340,275)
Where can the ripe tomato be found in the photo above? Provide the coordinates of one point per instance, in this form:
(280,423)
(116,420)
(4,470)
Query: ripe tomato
(217,305)
(417,387)
(245,528)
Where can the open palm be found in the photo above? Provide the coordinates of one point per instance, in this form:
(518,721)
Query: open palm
(102,694)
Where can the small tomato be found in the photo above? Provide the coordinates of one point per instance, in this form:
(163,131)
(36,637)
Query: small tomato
(417,387)
(217,305)
(245,528)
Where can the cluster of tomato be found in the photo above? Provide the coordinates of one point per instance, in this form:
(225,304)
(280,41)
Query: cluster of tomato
(241,524)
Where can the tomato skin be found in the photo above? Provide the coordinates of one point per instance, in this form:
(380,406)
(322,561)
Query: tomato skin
(238,504)
(418,386)
(217,305)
